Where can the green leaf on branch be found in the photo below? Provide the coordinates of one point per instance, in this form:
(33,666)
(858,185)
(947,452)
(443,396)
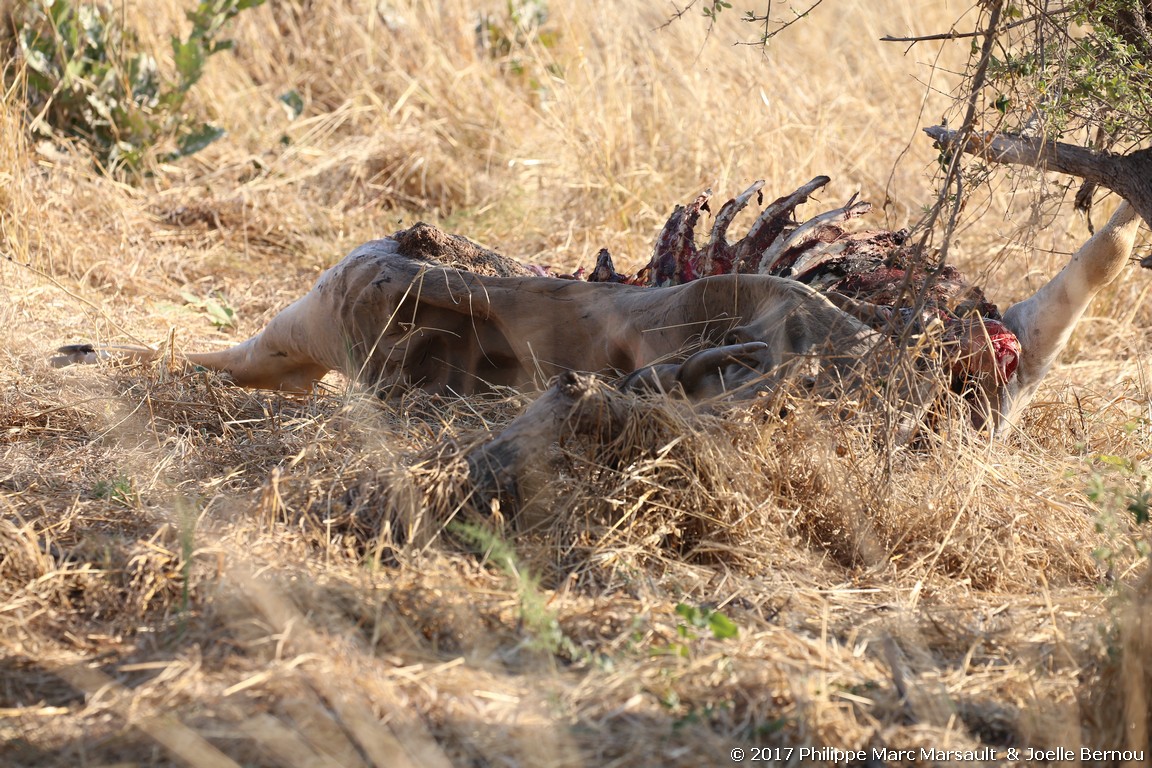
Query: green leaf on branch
(197,139)
(88,77)
(189,57)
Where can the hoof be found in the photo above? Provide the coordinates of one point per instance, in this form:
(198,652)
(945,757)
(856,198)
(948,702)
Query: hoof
(76,354)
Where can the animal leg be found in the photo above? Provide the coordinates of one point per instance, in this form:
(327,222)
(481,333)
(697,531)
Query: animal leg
(1044,322)
(280,357)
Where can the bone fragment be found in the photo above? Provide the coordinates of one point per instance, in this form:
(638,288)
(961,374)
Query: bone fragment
(808,231)
(773,219)
(729,210)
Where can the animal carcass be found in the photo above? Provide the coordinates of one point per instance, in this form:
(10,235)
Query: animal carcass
(806,301)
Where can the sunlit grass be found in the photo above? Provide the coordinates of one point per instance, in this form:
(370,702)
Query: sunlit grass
(193,573)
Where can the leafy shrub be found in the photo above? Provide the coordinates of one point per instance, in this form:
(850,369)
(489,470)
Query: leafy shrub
(1121,487)
(87,77)
(522,27)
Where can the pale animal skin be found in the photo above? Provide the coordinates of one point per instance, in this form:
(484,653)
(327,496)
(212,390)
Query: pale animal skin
(1044,322)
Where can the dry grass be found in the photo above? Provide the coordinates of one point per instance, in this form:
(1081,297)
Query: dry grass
(191,574)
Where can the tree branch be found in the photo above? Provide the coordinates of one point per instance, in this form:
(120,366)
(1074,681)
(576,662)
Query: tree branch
(1129,176)
(1101,167)
(974,33)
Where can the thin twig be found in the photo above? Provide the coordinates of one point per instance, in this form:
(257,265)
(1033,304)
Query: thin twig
(768,35)
(953,173)
(678,14)
(974,33)
(41,273)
